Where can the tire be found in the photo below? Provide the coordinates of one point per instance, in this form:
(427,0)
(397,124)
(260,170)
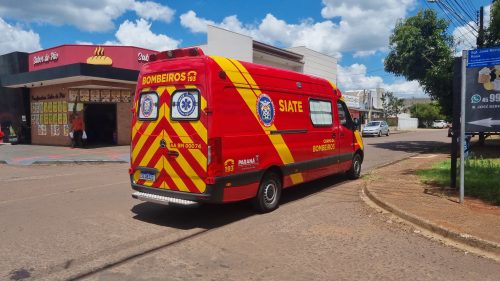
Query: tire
(387,133)
(355,170)
(379,133)
(269,194)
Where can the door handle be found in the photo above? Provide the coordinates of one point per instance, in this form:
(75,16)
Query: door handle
(173,154)
(341,135)
(334,135)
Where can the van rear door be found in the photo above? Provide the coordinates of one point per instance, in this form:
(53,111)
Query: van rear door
(186,137)
(147,135)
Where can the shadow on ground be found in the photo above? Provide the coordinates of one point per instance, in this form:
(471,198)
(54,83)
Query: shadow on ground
(209,216)
(414,146)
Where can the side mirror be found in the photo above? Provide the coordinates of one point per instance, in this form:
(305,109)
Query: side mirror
(356,121)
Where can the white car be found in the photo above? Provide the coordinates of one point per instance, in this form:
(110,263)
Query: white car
(375,128)
(440,124)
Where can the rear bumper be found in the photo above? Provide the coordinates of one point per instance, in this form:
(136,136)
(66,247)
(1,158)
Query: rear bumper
(212,194)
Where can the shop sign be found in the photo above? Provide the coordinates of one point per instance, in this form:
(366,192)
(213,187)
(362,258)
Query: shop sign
(142,57)
(52,56)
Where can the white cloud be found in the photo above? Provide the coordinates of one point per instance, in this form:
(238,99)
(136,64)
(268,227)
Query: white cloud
(84,43)
(139,34)
(194,23)
(87,15)
(354,77)
(464,38)
(14,38)
(405,88)
(153,11)
(359,26)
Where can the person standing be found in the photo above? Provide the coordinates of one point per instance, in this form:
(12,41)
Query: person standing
(77,127)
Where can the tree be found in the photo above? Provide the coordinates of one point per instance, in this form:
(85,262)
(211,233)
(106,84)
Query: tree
(426,113)
(421,50)
(391,105)
(492,34)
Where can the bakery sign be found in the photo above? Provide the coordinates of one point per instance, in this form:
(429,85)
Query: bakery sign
(45,58)
(142,57)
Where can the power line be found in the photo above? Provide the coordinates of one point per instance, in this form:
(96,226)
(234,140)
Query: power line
(467,13)
(460,19)
(447,14)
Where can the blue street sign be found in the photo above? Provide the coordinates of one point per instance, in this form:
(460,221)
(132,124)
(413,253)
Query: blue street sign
(483,57)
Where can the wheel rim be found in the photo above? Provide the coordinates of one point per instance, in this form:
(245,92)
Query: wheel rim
(270,193)
(357,165)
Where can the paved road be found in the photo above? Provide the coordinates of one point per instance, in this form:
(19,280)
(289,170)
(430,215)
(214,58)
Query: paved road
(61,222)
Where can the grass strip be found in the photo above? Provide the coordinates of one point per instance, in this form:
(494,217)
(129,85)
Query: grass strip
(482,178)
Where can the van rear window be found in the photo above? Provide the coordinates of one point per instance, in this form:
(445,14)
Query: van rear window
(321,112)
(185,105)
(148,106)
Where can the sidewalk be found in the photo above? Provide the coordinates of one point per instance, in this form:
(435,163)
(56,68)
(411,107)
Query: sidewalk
(40,154)
(398,189)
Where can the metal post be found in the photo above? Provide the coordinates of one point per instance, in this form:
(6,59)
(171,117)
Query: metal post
(462,126)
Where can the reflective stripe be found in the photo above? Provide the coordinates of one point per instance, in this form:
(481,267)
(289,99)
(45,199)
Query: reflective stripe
(238,74)
(179,130)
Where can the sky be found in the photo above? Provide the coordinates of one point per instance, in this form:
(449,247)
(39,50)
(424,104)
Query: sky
(356,32)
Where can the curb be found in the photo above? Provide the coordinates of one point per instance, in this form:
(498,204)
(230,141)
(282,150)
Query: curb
(42,162)
(466,239)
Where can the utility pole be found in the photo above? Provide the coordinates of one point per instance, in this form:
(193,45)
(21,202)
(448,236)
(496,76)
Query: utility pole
(480,44)
(480,34)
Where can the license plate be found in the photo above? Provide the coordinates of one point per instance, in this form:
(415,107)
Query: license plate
(147,176)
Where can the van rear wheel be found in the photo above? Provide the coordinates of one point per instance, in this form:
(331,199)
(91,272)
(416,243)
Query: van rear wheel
(355,170)
(269,194)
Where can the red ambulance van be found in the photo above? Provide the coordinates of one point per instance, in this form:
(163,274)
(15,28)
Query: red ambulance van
(213,129)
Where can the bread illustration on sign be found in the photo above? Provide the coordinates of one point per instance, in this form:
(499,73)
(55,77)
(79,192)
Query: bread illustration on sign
(99,57)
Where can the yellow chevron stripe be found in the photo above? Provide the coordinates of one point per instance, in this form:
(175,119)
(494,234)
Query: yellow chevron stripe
(198,125)
(183,163)
(179,183)
(197,154)
(233,69)
(333,85)
(150,153)
(149,129)
(359,140)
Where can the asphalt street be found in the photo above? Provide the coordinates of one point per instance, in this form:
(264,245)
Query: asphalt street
(79,222)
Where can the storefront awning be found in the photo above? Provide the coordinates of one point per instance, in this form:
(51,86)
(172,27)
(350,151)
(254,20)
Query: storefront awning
(69,73)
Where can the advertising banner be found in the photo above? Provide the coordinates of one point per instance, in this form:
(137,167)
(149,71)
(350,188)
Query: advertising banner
(482,99)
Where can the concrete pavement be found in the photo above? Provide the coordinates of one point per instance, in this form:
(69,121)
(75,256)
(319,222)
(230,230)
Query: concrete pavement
(41,154)
(398,189)
(400,192)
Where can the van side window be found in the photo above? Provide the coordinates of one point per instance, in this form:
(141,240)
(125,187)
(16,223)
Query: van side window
(185,105)
(148,106)
(344,115)
(321,112)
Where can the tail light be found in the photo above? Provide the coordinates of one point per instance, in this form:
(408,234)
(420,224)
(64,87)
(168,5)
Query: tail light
(214,156)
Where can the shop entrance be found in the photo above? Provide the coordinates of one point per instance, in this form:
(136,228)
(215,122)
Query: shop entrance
(100,124)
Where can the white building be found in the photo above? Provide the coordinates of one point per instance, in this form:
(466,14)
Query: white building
(221,42)
(365,104)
